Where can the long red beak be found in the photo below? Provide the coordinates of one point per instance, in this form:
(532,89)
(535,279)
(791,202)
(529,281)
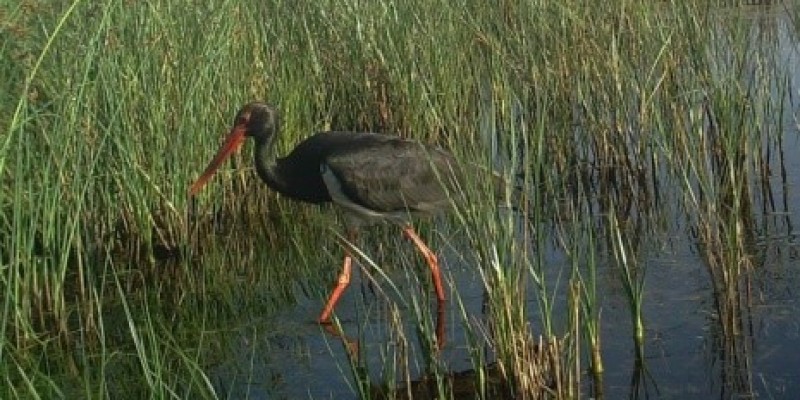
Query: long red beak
(232,143)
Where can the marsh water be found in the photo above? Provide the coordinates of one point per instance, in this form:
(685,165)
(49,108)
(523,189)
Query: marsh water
(288,356)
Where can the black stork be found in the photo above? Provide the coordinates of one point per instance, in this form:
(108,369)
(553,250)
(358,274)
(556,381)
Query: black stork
(372,177)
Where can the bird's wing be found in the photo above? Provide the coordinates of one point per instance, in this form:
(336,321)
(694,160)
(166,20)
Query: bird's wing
(391,176)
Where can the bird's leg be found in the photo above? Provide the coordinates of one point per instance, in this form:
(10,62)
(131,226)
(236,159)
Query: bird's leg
(341,283)
(433,263)
(430,257)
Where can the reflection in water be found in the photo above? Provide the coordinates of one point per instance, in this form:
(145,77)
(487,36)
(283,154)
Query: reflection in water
(334,329)
(462,385)
(351,345)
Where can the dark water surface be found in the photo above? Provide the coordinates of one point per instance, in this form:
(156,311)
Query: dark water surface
(288,356)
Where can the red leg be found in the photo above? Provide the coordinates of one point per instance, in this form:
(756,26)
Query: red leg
(433,263)
(430,257)
(341,285)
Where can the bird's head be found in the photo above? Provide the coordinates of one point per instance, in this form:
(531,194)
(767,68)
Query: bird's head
(258,120)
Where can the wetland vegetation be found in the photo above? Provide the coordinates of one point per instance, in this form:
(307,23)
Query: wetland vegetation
(653,252)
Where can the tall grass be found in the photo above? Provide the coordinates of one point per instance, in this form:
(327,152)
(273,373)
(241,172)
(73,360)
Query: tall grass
(107,270)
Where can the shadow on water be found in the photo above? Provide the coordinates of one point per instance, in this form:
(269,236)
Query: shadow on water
(702,339)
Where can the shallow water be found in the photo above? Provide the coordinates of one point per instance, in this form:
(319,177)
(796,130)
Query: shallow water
(288,356)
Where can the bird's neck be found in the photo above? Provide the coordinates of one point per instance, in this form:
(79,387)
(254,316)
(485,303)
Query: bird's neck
(265,163)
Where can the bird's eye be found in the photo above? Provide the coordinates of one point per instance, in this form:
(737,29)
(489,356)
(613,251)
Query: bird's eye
(243,119)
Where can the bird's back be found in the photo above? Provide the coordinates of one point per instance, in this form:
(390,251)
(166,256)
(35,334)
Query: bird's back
(381,173)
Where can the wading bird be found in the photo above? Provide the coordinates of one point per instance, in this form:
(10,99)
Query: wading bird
(372,177)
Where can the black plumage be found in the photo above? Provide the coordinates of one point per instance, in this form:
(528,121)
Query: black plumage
(382,173)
